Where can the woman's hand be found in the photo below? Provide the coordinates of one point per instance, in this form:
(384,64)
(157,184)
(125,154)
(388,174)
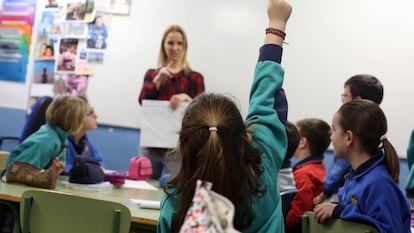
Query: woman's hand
(163,73)
(323,212)
(176,100)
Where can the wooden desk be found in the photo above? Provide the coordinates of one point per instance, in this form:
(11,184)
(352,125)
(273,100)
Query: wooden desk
(142,220)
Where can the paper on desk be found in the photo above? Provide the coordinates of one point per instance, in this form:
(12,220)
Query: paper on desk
(138,184)
(146,204)
(90,187)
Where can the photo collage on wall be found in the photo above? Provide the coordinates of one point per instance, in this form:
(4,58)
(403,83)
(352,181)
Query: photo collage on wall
(16,26)
(72,38)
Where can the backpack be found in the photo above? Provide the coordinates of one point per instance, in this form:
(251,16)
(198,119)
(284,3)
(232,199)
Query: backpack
(140,168)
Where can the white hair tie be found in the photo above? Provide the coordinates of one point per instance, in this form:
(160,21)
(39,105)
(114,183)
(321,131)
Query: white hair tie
(213,128)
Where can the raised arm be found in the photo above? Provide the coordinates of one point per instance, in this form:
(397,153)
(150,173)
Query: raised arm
(267,130)
(278,12)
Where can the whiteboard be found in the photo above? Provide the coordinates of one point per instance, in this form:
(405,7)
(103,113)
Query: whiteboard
(329,41)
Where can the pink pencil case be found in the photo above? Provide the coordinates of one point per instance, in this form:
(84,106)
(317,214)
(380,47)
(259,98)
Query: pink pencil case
(116,178)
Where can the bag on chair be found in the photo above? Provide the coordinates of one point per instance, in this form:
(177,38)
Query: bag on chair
(86,170)
(140,168)
(25,173)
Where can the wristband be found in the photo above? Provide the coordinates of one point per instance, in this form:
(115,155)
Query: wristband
(277,32)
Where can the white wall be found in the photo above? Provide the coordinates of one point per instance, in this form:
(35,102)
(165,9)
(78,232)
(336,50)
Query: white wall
(329,42)
(333,40)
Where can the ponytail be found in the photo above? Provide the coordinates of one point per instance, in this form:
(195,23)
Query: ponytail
(391,160)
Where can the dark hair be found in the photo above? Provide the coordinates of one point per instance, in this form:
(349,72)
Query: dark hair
(293,139)
(317,132)
(365,86)
(366,120)
(223,157)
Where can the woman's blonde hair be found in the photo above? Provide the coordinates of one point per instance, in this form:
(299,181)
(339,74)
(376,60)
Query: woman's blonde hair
(67,112)
(162,58)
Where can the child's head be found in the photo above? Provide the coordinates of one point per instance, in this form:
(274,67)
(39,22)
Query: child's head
(365,122)
(214,147)
(293,138)
(90,121)
(317,134)
(67,112)
(363,86)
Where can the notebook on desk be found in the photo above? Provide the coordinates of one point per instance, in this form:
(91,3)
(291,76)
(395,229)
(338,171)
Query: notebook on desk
(89,187)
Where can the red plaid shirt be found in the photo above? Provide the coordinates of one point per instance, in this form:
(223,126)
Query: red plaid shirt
(191,83)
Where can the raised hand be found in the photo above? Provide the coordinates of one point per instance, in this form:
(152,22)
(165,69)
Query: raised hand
(278,12)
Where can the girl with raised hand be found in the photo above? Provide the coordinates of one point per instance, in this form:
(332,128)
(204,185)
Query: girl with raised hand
(215,145)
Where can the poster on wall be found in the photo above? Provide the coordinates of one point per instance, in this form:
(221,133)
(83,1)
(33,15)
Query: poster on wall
(84,67)
(16,20)
(80,10)
(68,48)
(98,31)
(118,7)
(44,71)
(76,84)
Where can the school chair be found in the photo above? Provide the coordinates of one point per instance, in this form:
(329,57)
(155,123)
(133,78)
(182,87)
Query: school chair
(35,119)
(309,225)
(287,197)
(3,158)
(7,208)
(45,211)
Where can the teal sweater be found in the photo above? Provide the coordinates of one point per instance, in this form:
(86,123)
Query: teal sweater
(269,135)
(409,185)
(40,148)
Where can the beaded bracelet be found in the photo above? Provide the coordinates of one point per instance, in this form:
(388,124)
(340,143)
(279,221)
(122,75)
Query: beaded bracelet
(277,32)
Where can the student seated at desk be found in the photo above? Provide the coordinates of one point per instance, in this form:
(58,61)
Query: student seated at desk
(79,144)
(360,86)
(285,179)
(371,193)
(65,115)
(47,146)
(310,171)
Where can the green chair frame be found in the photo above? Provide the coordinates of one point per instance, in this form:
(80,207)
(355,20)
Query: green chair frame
(309,225)
(44,211)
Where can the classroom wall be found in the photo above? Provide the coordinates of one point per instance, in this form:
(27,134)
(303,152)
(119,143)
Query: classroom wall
(329,41)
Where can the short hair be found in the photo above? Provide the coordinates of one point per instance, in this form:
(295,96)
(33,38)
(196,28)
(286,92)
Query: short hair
(162,58)
(293,139)
(317,132)
(67,112)
(365,86)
